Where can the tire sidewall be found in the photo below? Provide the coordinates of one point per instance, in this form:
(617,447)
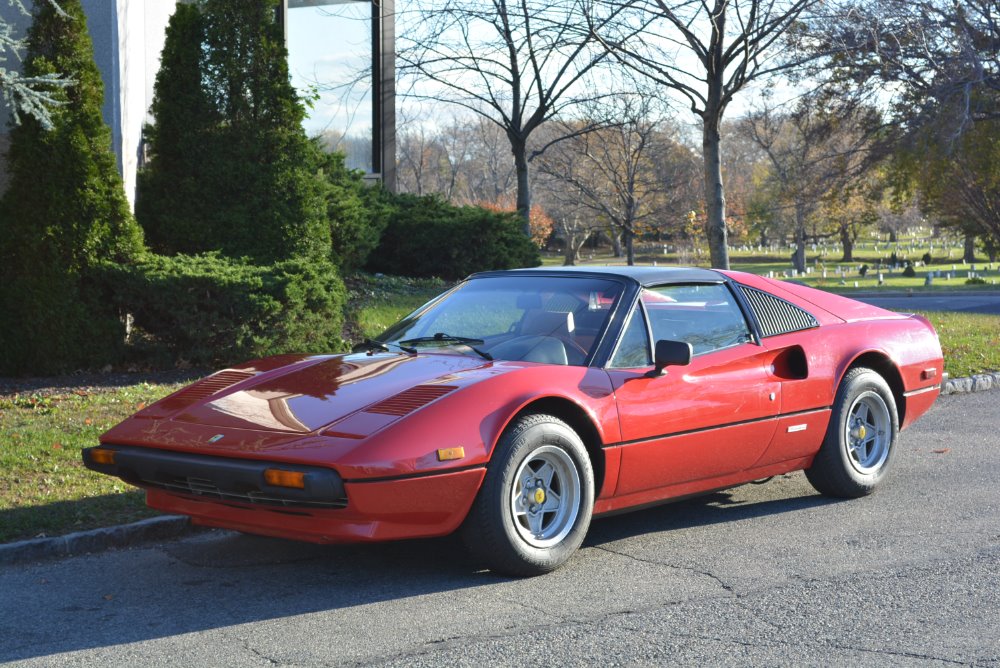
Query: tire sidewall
(514,448)
(856,386)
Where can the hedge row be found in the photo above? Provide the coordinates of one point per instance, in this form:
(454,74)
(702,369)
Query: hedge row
(212,310)
(426,236)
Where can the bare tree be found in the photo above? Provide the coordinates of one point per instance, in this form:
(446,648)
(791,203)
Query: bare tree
(516,64)
(939,57)
(706,52)
(488,174)
(610,170)
(811,150)
(631,175)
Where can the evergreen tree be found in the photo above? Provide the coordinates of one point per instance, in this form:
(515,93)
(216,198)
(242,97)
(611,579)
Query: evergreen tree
(357,212)
(170,202)
(63,213)
(231,169)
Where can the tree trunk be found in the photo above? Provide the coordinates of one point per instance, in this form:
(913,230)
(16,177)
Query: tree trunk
(848,243)
(715,195)
(571,251)
(893,237)
(799,256)
(616,243)
(523,187)
(970,248)
(629,246)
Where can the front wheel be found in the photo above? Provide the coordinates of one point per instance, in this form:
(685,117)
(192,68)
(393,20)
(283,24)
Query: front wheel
(536,501)
(861,438)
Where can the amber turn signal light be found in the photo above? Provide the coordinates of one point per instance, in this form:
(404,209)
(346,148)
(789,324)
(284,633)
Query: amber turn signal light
(447,454)
(103,456)
(279,478)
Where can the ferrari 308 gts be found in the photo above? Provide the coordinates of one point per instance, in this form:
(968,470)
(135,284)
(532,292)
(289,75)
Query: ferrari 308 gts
(519,404)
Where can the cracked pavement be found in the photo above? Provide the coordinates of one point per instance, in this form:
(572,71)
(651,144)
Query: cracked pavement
(760,574)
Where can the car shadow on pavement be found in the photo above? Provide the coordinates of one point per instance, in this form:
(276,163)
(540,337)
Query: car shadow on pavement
(218,579)
(723,506)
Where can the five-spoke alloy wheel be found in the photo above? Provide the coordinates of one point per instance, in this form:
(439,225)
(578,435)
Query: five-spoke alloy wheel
(856,453)
(536,501)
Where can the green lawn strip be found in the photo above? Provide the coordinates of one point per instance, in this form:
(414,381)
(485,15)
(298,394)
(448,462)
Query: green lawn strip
(848,281)
(44,488)
(970,341)
(376,302)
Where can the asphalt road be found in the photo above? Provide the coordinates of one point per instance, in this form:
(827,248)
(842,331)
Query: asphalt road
(953,301)
(761,574)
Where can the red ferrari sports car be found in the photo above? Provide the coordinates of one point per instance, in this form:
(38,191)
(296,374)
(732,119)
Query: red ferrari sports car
(519,404)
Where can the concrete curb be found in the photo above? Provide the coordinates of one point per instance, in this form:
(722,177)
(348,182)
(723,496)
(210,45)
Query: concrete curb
(96,540)
(175,526)
(977,383)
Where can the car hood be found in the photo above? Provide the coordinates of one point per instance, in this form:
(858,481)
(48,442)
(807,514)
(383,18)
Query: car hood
(312,393)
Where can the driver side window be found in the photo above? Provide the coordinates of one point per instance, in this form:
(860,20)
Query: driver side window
(633,351)
(706,316)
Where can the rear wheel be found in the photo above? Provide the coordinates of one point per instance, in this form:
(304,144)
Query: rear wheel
(536,501)
(860,440)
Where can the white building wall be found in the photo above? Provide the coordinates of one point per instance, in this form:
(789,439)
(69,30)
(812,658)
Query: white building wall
(128,37)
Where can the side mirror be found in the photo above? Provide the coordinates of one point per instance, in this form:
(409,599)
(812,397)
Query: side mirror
(670,353)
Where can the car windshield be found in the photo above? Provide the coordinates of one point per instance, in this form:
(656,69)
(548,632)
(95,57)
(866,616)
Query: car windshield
(547,319)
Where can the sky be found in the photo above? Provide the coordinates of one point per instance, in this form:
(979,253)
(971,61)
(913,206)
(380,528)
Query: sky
(327,46)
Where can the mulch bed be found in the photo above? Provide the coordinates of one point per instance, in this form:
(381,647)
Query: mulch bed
(94,382)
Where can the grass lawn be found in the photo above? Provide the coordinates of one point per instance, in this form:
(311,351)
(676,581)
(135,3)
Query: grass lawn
(44,489)
(847,281)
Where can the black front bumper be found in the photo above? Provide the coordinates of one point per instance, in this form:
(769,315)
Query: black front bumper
(222,478)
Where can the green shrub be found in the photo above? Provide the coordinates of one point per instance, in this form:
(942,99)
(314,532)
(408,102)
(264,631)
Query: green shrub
(357,212)
(909,272)
(231,168)
(63,212)
(426,236)
(976,280)
(210,310)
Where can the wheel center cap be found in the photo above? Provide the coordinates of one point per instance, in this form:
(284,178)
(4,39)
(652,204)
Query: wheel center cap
(539,495)
(862,431)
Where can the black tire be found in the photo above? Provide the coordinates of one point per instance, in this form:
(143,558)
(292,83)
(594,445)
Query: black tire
(861,439)
(519,527)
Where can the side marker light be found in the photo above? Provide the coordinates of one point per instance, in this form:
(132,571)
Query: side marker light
(448,454)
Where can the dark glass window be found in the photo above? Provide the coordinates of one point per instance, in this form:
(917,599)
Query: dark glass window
(553,320)
(633,351)
(706,316)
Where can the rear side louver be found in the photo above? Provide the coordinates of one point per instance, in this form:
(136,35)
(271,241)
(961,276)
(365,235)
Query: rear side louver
(775,315)
(410,400)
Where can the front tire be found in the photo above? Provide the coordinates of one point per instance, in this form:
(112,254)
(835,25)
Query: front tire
(536,501)
(860,440)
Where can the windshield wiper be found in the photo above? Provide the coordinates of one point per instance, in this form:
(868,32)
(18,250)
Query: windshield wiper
(448,338)
(372,344)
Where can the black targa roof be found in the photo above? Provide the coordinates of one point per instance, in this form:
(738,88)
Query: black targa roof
(643,275)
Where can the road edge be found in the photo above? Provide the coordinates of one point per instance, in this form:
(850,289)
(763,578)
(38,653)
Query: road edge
(164,527)
(980,382)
